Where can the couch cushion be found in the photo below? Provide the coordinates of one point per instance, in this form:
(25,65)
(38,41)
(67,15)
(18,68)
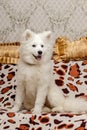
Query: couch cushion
(70,77)
(9,52)
(64,49)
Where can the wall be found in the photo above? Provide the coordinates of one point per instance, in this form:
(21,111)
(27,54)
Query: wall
(63,17)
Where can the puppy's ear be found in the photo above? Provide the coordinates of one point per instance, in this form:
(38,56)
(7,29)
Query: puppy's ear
(47,35)
(27,34)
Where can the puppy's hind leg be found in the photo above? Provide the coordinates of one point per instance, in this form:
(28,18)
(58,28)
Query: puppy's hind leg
(19,97)
(57,109)
(46,109)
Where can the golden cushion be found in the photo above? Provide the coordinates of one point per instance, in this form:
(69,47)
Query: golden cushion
(9,52)
(65,49)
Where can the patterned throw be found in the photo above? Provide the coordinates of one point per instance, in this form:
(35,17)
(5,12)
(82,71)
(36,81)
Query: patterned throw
(70,77)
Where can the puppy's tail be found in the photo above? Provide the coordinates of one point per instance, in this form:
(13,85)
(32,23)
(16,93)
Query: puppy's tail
(75,105)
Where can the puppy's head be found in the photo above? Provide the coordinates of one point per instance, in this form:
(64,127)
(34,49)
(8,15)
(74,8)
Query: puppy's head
(36,48)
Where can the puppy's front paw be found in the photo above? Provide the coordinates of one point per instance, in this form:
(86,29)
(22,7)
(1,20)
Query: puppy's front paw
(36,111)
(14,109)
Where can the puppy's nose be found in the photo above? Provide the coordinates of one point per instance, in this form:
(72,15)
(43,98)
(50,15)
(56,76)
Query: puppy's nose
(39,52)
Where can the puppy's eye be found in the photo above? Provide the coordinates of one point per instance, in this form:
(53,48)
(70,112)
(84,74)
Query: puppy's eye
(42,45)
(33,45)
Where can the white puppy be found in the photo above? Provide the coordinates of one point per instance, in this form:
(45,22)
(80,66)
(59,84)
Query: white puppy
(34,71)
(35,78)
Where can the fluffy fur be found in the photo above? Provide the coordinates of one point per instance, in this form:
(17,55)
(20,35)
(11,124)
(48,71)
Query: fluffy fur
(35,78)
(34,71)
(59,103)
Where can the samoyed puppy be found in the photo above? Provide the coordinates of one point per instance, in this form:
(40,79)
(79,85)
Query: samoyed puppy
(35,81)
(34,71)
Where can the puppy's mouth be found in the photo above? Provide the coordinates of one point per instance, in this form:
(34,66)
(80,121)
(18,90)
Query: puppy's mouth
(37,57)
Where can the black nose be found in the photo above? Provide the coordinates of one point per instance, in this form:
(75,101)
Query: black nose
(39,52)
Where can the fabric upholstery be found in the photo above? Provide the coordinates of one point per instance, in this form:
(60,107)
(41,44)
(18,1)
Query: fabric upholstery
(70,77)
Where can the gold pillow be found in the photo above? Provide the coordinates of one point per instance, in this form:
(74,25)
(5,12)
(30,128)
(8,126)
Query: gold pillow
(9,52)
(64,49)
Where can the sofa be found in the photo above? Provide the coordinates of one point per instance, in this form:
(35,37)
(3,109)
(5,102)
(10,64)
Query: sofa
(70,76)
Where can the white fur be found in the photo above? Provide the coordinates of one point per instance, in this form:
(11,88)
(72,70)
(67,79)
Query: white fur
(60,103)
(33,75)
